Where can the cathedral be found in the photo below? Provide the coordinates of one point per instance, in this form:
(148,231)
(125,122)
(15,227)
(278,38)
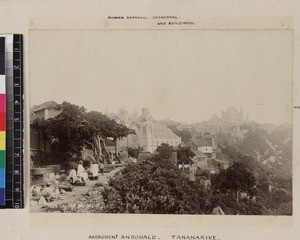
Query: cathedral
(149,134)
(233,116)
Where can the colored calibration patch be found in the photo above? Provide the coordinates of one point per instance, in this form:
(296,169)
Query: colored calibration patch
(11,121)
(2,121)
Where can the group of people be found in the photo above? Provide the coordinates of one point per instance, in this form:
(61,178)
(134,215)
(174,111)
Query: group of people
(81,174)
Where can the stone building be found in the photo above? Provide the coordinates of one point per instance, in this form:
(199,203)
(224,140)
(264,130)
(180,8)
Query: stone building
(233,116)
(149,134)
(205,143)
(199,161)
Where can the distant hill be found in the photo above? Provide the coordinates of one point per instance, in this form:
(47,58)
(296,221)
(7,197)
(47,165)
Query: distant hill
(271,147)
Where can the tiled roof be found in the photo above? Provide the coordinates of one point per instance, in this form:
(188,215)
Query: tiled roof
(232,110)
(133,123)
(220,160)
(50,104)
(34,109)
(207,136)
(199,172)
(160,131)
(202,142)
(199,154)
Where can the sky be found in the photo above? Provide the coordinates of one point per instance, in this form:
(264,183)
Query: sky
(183,75)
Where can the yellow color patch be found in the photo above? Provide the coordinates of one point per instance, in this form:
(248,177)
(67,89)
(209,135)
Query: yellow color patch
(2,140)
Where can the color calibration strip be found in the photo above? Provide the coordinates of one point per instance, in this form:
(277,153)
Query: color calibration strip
(2,121)
(9,114)
(13,87)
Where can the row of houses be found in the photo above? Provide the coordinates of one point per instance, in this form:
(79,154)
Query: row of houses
(206,159)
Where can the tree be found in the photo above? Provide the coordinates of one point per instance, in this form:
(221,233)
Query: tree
(134,152)
(99,127)
(153,186)
(232,153)
(62,131)
(236,179)
(74,128)
(184,155)
(165,150)
(118,131)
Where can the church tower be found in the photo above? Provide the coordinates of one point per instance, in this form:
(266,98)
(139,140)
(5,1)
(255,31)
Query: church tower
(147,130)
(146,114)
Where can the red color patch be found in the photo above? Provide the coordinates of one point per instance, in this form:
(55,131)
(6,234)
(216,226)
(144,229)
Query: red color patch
(2,121)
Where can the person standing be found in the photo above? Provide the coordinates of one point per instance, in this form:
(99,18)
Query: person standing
(101,166)
(81,172)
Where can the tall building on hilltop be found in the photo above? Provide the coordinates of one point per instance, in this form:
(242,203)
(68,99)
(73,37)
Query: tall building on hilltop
(123,115)
(233,116)
(146,116)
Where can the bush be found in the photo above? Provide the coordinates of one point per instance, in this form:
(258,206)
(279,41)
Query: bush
(40,159)
(134,152)
(154,186)
(157,186)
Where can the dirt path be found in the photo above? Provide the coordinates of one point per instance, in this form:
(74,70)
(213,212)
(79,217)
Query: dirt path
(78,191)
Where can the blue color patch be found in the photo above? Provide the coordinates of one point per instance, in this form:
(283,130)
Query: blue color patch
(2,196)
(2,178)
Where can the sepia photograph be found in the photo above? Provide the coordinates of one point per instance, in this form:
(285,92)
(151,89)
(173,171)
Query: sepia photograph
(194,122)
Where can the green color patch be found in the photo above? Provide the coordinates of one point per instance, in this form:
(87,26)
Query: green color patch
(2,159)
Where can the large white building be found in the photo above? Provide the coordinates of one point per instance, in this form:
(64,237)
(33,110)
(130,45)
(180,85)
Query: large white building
(149,134)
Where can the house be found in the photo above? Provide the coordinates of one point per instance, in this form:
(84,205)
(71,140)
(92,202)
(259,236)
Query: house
(211,138)
(206,145)
(47,110)
(202,181)
(201,165)
(38,141)
(220,164)
(199,161)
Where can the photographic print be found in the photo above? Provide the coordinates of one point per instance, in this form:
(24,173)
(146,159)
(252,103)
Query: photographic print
(161,121)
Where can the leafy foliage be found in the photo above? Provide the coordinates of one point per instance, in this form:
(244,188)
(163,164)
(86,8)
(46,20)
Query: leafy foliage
(165,150)
(275,202)
(74,128)
(157,186)
(154,186)
(184,155)
(63,132)
(39,159)
(134,152)
(237,178)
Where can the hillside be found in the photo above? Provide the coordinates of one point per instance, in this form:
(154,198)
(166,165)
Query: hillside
(273,148)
